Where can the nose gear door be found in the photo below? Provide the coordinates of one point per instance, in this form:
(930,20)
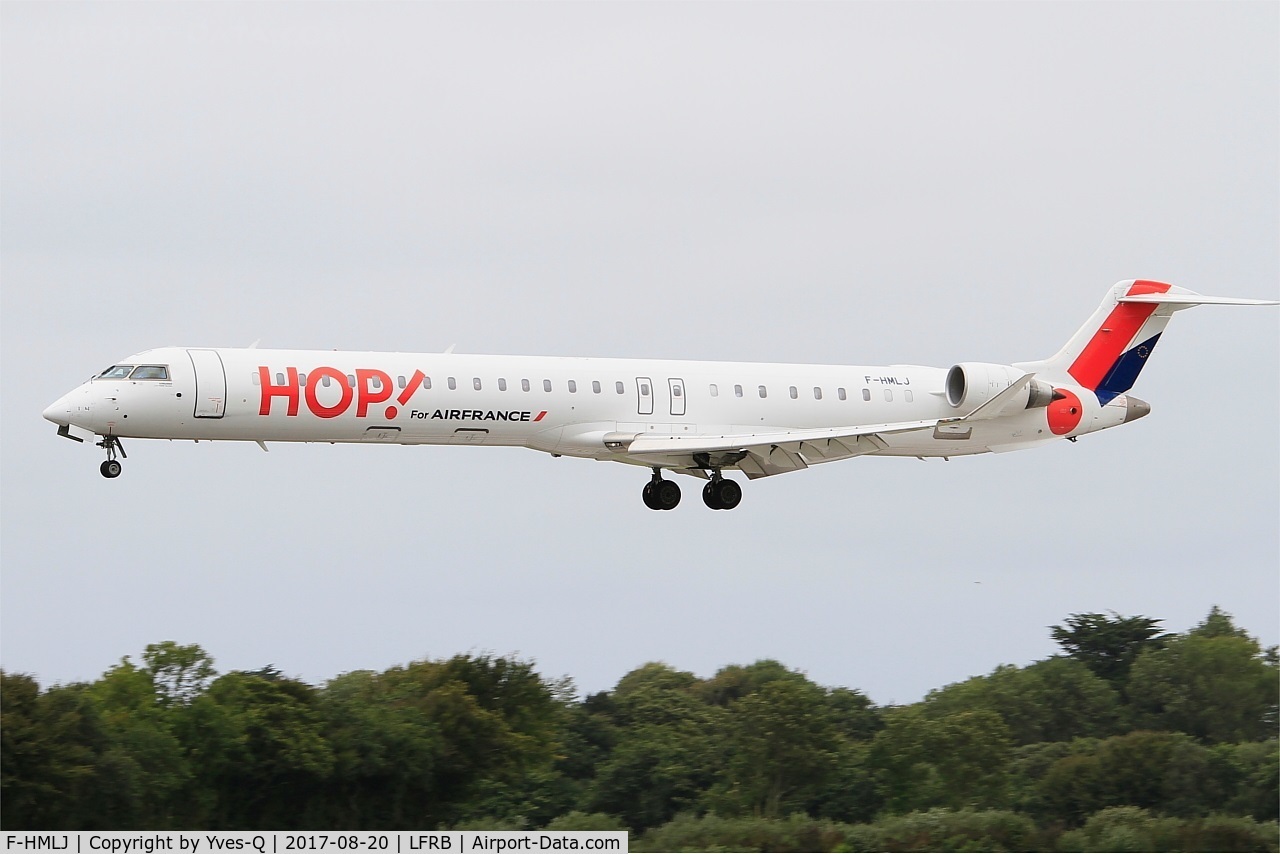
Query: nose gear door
(211,383)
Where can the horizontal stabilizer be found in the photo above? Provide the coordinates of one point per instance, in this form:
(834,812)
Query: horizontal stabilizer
(1189,299)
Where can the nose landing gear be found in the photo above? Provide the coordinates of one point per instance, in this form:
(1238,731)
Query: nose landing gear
(111,468)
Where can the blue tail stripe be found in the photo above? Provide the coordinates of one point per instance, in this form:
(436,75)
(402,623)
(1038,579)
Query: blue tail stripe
(1124,373)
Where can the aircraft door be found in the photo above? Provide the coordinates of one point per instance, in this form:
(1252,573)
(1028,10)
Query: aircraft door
(644,391)
(211,383)
(677,395)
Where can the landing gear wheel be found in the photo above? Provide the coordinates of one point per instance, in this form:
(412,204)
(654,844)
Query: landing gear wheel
(649,500)
(666,494)
(722,494)
(730,494)
(660,494)
(110,468)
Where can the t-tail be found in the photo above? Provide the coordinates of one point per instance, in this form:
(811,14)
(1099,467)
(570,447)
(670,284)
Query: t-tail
(1109,351)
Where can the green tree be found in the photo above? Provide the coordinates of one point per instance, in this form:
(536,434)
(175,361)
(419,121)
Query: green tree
(262,751)
(1213,683)
(955,761)
(783,741)
(1108,646)
(50,744)
(1053,700)
(736,681)
(1255,778)
(179,673)
(668,750)
(142,770)
(1162,771)
(444,742)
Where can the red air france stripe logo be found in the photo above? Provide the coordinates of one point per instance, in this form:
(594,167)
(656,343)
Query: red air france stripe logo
(1115,334)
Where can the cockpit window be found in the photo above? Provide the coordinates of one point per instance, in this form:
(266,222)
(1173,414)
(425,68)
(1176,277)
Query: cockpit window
(116,372)
(150,372)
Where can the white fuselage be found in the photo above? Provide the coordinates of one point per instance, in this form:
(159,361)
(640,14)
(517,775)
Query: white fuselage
(693,418)
(558,405)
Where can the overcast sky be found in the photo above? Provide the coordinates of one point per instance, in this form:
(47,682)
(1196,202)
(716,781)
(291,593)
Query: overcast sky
(839,183)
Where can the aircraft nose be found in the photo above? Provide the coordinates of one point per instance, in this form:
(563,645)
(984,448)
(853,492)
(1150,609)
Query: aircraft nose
(60,411)
(57,412)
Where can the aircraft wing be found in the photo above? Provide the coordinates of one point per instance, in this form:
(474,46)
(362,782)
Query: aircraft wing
(771,452)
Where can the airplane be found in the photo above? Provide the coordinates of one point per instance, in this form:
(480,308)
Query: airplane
(685,417)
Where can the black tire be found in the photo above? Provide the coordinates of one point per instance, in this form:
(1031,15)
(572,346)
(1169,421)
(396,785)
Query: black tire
(666,494)
(711,496)
(728,494)
(110,468)
(650,500)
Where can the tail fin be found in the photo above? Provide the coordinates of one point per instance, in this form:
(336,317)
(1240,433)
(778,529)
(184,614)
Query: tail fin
(1109,351)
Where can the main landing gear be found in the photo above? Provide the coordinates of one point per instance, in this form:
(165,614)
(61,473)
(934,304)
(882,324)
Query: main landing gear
(720,493)
(111,468)
(660,494)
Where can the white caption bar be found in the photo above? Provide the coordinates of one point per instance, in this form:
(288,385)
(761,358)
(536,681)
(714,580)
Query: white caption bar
(331,842)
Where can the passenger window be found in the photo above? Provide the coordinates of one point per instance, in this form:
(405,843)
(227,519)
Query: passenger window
(475,383)
(302,380)
(351,380)
(840,394)
(546,385)
(151,372)
(618,386)
(595,386)
(453,384)
(376,384)
(866,394)
(908,395)
(426,383)
(715,392)
(524,385)
(644,389)
(888,395)
(257,380)
(817,393)
(502,384)
(279,378)
(764,392)
(737,391)
(794,394)
(400,381)
(677,391)
(573,387)
(324,381)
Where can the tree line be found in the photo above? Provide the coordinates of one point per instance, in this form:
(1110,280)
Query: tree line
(1130,739)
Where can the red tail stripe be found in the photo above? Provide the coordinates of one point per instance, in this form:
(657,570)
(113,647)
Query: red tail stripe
(1110,341)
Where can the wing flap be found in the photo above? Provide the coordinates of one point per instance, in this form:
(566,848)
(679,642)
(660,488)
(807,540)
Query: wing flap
(791,440)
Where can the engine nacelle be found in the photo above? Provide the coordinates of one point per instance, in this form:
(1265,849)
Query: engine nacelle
(971,384)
